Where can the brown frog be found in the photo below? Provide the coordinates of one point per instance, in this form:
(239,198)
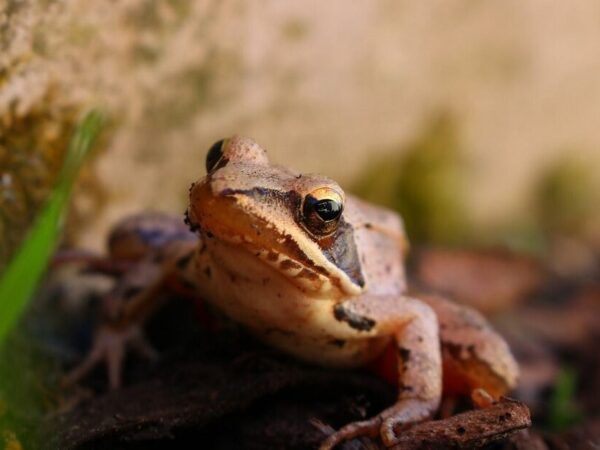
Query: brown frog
(309,270)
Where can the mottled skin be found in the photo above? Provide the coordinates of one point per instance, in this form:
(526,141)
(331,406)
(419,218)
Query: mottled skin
(331,292)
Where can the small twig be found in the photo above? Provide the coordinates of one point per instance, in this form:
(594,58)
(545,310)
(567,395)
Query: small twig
(472,429)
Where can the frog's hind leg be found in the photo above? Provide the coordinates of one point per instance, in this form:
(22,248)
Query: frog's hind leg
(415,328)
(475,357)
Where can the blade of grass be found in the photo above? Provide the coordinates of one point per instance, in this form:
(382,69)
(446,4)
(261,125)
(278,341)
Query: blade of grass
(18,282)
(564,412)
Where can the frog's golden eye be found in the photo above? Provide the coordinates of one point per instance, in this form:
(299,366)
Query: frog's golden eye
(321,210)
(214,157)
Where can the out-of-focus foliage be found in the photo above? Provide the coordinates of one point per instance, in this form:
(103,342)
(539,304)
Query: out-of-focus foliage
(27,379)
(425,183)
(18,281)
(566,197)
(563,409)
(31,152)
(21,392)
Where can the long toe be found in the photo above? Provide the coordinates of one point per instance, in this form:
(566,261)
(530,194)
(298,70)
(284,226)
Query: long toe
(388,435)
(364,428)
(77,373)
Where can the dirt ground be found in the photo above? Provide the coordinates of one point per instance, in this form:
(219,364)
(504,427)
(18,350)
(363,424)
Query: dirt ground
(216,387)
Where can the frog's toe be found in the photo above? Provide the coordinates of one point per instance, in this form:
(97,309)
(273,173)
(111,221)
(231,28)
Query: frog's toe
(77,373)
(110,346)
(143,348)
(388,435)
(368,427)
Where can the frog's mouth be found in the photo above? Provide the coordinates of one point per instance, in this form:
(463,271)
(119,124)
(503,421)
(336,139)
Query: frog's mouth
(273,236)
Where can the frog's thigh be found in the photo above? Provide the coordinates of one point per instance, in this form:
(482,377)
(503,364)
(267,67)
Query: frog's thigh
(415,327)
(474,354)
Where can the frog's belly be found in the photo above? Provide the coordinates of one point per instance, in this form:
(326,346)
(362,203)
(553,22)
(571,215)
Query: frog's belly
(279,313)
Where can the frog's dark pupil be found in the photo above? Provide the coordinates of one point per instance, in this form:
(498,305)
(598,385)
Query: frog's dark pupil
(214,155)
(327,209)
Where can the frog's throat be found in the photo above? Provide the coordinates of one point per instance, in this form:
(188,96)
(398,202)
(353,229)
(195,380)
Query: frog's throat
(236,217)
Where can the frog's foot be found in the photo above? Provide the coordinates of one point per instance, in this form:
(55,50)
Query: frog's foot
(110,346)
(403,414)
(353,430)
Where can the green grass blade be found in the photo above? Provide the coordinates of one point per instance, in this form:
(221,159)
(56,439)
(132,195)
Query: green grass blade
(18,282)
(564,411)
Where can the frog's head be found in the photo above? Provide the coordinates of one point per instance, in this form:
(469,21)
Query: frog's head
(292,222)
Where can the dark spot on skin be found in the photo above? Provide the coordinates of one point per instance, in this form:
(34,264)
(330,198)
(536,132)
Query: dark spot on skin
(338,342)
(404,356)
(368,226)
(184,260)
(132,291)
(305,273)
(461,430)
(404,353)
(288,264)
(355,321)
(207,271)
(419,338)
(388,268)
(209,235)
(454,349)
(272,256)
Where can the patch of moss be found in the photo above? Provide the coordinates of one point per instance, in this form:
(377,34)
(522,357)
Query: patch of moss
(565,197)
(424,182)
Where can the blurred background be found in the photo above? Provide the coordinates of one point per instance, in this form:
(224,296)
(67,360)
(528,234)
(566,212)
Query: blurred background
(477,120)
(485,114)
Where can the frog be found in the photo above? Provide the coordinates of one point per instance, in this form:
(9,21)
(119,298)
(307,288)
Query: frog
(309,270)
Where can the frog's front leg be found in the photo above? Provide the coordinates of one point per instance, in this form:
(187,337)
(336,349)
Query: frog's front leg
(414,327)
